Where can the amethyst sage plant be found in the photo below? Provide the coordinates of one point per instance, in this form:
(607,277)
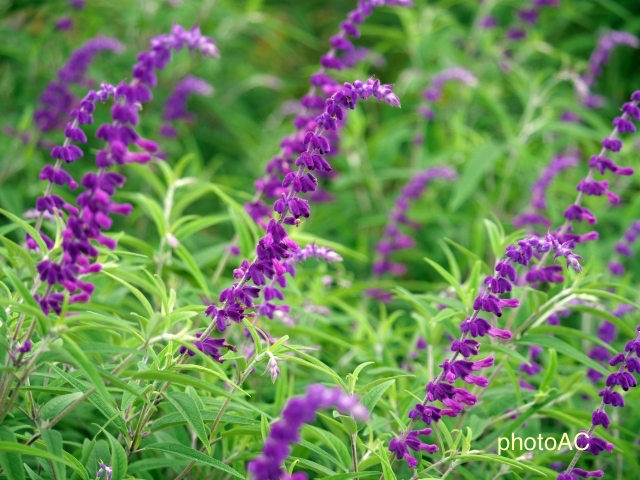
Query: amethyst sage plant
(276,246)
(286,431)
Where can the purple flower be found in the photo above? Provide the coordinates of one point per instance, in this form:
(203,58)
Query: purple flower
(393,239)
(401,446)
(210,346)
(601,54)
(176,106)
(106,471)
(438,82)
(430,414)
(570,117)
(64,24)
(479,327)
(57,100)
(85,225)
(275,247)
(516,33)
(539,190)
(528,15)
(342,54)
(488,22)
(286,431)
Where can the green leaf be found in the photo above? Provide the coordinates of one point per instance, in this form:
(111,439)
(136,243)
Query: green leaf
(191,454)
(323,453)
(186,380)
(138,294)
(370,399)
(77,357)
(29,229)
(105,408)
(58,404)
(551,370)
(187,407)
(118,457)
(511,352)
(562,347)
(312,465)
(53,441)
(570,333)
(453,264)
(313,362)
(182,232)
(153,209)
(348,476)
(11,462)
(334,443)
(193,268)
(14,447)
(16,251)
(449,279)
(489,457)
(481,161)
(387,471)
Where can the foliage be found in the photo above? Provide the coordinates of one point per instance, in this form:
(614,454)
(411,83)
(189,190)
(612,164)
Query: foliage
(120,386)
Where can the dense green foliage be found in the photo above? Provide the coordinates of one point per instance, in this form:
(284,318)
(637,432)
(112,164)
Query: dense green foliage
(100,367)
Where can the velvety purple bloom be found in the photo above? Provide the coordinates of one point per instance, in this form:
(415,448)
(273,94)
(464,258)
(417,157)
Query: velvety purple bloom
(539,190)
(343,54)
(600,56)
(57,101)
(516,33)
(401,446)
(286,431)
(210,346)
(593,444)
(623,247)
(77,4)
(176,106)
(105,470)
(85,225)
(578,473)
(488,22)
(275,247)
(393,239)
(441,388)
(438,82)
(570,117)
(528,15)
(64,24)
(479,327)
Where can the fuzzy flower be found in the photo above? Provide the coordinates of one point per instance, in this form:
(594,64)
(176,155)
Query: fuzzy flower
(602,53)
(57,100)
(434,93)
(276,246)
(401,446)
(442,388)
(623,248)
(209,346)
(176,106)
(64,24)
(600,163)
(393,239)
(628,364)
(297,255)
(85,225)
(539,190)
(286,431)
(342,54)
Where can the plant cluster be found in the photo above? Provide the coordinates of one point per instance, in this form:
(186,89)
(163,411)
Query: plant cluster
(170,307)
